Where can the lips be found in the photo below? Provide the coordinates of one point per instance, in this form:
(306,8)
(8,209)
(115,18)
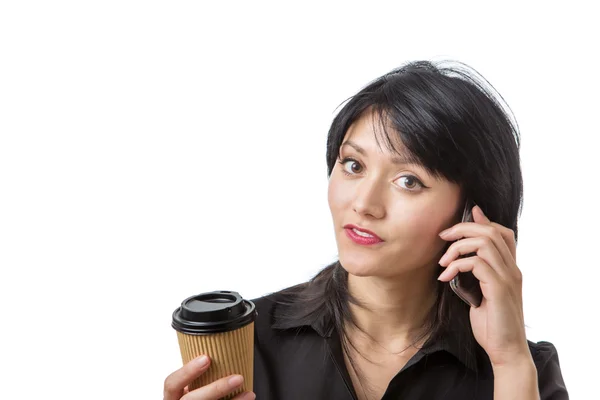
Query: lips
(361,236)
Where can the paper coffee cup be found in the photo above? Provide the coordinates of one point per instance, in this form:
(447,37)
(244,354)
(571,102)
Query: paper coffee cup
(221,325)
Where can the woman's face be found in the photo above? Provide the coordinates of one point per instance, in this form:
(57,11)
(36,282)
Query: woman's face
(399,202)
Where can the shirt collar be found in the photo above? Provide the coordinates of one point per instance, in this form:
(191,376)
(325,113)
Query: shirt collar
(293,312)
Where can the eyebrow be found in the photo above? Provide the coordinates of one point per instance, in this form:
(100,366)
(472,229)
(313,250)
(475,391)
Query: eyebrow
(398,159)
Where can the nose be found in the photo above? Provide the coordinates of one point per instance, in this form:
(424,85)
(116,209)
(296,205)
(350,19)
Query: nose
(368,200)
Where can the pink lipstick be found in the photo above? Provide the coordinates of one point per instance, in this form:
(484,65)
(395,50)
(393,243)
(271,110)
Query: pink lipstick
(361,236)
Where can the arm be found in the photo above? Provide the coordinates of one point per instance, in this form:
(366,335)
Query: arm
(516,381)
(498,323)
(535,376)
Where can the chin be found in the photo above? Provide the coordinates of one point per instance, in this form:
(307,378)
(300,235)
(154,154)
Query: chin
(356,267)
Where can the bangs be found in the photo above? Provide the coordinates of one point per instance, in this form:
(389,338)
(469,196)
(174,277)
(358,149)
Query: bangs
(402,128)
(391,136)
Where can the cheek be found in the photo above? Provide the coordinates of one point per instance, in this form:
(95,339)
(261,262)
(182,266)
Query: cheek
(421,227)
(337,197)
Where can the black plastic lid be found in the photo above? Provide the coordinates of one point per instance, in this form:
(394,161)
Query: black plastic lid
(213,312)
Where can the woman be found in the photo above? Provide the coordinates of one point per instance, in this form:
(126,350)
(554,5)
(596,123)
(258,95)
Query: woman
(404,155)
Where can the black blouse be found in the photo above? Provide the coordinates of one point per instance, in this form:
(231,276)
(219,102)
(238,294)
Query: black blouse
(304,361)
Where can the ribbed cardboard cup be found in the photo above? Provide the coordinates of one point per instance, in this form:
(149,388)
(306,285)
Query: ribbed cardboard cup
(220,325)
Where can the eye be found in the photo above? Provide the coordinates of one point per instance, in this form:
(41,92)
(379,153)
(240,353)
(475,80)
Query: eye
(409,182)
(351,166)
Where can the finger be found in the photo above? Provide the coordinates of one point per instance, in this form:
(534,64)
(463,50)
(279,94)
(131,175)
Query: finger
(480,245)
(473,229)
(245,396)
(480,269)
(479,216)
(507,234)
(509,238)
(178,380)
(217,389)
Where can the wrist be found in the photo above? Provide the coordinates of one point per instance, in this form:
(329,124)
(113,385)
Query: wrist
(512,357)
(517,379)
(522,363)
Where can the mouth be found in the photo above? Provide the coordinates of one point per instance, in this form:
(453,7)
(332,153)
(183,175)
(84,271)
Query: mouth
(361,236)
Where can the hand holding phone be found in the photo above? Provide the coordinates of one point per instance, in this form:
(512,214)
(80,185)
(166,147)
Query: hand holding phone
(464,284)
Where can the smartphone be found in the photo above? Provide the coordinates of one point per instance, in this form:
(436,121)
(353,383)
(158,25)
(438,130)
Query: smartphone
(464,284)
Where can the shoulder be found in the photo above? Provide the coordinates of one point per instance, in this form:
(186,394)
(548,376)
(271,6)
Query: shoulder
(282,330)
(271,308)
(550,379)
(268,303)
(543,352)
(268,300)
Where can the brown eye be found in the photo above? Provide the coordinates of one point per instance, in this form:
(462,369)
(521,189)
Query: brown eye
(352,166)
(409,182)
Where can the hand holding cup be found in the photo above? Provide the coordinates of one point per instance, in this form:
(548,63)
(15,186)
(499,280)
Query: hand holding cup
(177,384)
(219,325)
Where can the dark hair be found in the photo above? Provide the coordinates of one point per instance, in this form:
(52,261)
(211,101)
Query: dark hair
(453,123)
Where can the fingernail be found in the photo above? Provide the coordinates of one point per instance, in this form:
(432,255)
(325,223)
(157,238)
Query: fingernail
(445,232)
(443,259)
(202,361)
(249,396)
(236,380)
(442,276)
(480,210)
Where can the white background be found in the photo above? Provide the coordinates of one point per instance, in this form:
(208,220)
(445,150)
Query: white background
(153,150)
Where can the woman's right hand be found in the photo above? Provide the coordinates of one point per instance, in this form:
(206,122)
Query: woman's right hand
(176,384)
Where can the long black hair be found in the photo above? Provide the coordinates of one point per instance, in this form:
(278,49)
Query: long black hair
(453,123)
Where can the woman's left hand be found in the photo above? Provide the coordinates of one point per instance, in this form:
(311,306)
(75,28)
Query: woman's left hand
(498,324)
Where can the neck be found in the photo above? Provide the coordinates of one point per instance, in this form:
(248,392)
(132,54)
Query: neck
(393,311)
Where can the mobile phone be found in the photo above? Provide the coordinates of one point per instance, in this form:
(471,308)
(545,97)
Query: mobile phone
(464,284)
